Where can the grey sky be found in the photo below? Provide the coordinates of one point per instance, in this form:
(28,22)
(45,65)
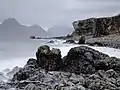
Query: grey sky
(48,13)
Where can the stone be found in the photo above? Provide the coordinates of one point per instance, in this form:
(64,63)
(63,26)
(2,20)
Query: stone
(83,60)
(70,41)
(82,40)
(80,87)
(84,69)
(31,86)
(32,62)
(51,41)
(49,59)
(96,82)
(12,72)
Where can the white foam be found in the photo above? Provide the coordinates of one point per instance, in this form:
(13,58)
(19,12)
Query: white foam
(12,62)
(65,48)
(106,50)
(109,51)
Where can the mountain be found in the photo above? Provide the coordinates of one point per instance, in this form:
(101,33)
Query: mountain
(11,29)
(60,30)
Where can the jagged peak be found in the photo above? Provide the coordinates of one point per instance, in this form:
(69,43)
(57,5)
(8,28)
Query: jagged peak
(11,21)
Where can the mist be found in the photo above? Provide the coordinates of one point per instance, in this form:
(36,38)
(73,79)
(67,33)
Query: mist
(48,13)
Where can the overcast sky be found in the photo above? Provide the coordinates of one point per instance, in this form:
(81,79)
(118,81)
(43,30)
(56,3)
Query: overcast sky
(48,13)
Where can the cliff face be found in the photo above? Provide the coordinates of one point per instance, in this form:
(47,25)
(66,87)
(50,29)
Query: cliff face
(97,26)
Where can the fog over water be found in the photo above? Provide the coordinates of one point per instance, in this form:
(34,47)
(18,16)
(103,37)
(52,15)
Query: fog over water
(48,13)
(17,53)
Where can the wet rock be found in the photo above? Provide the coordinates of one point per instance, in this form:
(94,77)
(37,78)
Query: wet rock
(82,60)
(49,59)
(27,71)
(4,86)
(98,82)
(52,81)
(82,40)
(32,62)
(96,44)
(51,41)
(12,72)
(2,77)
(109,63)
(97,27)
(21,75)
(32,37)
(84,69)
(111,73)
(31,87)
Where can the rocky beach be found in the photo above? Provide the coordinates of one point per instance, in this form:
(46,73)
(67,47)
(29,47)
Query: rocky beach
(99,31)
(83,67)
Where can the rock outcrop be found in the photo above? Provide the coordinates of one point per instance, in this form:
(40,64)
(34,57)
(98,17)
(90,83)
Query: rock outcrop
(12,72)
(51,41)
(97,26)
(49,59)
(70,41)
(82,40)
(87,61)
(31,86)
(82,60)
(84,69)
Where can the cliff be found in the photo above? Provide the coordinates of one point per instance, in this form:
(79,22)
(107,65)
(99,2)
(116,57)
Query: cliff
(97,27)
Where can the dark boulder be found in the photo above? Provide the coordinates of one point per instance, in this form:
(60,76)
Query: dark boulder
(51,41)
(12,72)
(85,60)
(49,59)
(21,75)
(32,37)
(27,71)
(102,80)
(82,40)
(84,68)
(32,62)
(96,43)
(108,63)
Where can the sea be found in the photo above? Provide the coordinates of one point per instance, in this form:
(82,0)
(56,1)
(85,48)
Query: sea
(16,53)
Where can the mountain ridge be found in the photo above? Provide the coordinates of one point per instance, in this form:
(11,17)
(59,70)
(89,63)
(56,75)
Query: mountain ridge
(12,29)
(60,30)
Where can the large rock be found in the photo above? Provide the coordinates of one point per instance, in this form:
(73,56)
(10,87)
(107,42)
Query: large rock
(49,59)
(12,72)
(82,40)
(52,81)
(102,80)
(87,61)
(27,71)
(97,26)
(31,87)
(51,41)
(86,69)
